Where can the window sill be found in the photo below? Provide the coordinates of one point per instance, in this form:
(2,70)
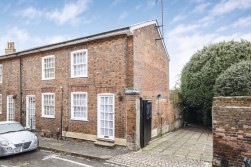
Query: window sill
(79,76)
(79,119)
(106,139)
(45,116)
(45,79)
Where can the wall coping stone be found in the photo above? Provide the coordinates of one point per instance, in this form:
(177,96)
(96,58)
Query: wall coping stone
(232,97)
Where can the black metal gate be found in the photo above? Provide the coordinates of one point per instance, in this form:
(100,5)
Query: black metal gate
(145,122)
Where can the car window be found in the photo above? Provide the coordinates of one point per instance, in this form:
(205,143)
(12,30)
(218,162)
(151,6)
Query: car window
(10,127)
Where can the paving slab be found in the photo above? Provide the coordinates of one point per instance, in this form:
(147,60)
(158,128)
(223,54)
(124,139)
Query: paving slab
(187,147)
(138,159)
(80,148)
(191,141)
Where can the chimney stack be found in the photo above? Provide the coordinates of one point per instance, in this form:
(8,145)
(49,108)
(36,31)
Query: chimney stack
(11,48)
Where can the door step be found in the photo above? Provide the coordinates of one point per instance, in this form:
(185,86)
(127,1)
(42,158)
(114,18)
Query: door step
(104,144)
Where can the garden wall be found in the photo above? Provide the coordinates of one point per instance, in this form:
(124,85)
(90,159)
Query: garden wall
(231,130)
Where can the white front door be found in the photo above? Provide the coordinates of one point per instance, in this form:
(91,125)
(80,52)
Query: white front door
(10,108)
(30,112)
(105,120)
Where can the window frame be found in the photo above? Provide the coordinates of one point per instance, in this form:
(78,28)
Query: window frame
(99,136)
(72,106)
(43,72)
(1,73)
(28,112)
(72,65)
(8,106)
(48,116)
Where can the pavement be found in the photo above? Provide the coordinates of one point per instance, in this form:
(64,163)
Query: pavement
(190,147)
(192,142)
(80,148)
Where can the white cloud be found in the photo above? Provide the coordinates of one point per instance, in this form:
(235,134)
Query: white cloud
(56,39)
(179,17)
(183,45)
(31,13)
(196,1)
(23,40)
(207,20)
(182,29)
(227,6)
(138,7)
(224,7)
(20,2)
(123,15)
(116,2)
(14,34)
(6,8)
(242,22)
(151,3)
(200,8)
(70,13)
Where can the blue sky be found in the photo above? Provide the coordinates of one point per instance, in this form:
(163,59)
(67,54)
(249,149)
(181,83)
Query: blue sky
(188,24)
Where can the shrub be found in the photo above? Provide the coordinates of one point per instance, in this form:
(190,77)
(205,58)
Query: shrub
(235,81)
(199,75)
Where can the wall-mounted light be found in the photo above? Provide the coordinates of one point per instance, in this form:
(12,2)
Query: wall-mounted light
(120,96)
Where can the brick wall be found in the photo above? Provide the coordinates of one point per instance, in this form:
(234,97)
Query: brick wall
(130,111)
(114,63)
(231,130)
(176,114)
(107,66)
(151,73)
(10,86)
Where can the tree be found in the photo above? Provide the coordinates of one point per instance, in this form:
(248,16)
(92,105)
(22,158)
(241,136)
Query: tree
(199,75)
(235,81)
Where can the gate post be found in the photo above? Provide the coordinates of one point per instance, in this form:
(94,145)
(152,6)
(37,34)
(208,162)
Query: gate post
(132,109)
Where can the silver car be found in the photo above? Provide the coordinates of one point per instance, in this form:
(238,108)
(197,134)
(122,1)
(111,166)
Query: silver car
(14,139)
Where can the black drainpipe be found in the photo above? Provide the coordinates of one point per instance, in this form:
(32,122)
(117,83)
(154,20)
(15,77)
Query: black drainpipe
(21,91)
(61,115)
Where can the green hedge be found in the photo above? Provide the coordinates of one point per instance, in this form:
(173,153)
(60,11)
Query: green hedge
(199,75)
(235,81)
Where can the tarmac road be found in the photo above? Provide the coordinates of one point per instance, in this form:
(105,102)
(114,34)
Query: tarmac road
(42,158)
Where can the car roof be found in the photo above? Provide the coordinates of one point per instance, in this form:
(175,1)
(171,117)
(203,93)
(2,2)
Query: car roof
(8,122)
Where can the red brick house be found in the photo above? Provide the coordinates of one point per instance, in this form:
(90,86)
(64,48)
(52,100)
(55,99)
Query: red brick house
(84,86)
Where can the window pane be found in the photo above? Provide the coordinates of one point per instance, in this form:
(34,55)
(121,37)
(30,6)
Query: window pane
(106,116)
(110,108)
(79,105)
(110,132)
(106,132)
(49,105)
(79,64)
(49,67)
(110,124)
(110,117)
